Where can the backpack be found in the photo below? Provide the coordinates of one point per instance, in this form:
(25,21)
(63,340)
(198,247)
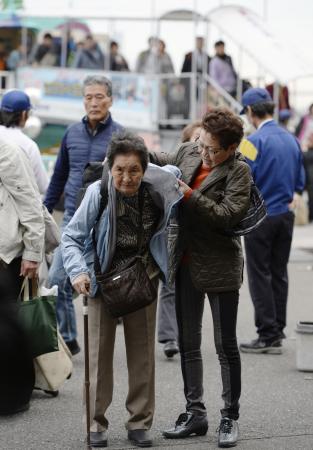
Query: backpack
(95,171)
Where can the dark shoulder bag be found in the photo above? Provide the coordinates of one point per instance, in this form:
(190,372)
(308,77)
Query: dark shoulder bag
(254,216)
(128,289)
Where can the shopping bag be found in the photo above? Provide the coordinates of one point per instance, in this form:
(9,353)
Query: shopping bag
(37,316)
(52,369)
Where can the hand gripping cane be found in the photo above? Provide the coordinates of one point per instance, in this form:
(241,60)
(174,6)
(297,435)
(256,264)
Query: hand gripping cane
(87,380)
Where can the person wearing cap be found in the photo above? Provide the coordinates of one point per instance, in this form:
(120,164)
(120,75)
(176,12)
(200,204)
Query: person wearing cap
(85,141)
(21,222)
(14,112)
(22,233)
(275,159)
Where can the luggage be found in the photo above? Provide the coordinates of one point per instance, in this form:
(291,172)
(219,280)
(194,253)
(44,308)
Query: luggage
(52,369)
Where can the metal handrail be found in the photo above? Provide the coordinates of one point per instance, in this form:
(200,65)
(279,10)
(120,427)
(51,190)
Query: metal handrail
(234,104)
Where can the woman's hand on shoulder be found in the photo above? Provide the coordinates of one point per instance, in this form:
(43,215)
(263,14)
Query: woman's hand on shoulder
(183,187)
(81,284)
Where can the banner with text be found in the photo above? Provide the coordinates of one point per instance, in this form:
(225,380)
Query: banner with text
(57,95)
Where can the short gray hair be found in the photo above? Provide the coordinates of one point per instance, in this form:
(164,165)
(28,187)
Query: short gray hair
(98,79)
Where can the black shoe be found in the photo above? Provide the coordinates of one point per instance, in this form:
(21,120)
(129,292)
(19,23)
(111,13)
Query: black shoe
(16,410)
(140,438)
(259,345)
(282,335)
(187,424)
(98,439)
(73,346)
(228,433)
(170,349)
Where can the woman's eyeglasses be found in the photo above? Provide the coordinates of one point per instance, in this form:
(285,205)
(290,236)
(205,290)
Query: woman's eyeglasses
(207,148)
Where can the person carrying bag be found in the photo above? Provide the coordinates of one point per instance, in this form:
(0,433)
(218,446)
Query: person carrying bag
(128,212)
(128,289)
(38,319)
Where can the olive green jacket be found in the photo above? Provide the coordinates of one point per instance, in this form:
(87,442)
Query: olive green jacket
(221,201)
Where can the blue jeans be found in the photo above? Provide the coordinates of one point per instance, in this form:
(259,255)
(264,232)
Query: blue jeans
(65,308)
(167,323)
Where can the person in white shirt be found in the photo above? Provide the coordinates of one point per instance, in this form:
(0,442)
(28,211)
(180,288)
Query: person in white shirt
(14,112)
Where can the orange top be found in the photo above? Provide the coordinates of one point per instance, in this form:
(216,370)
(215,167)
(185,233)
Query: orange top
(203,172)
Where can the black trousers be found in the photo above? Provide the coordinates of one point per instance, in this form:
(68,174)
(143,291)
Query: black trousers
(189,309)
(10,280)
(267,254)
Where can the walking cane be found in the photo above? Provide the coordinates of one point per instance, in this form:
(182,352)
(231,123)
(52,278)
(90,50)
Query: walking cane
(87,380)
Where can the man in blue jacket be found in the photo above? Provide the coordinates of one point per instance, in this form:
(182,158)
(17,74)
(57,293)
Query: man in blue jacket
(275,159)
(82,143)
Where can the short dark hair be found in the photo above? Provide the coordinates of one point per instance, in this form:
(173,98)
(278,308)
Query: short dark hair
(224,125)
(125,143)
(47,36)
(263,109)
(219,43)
(189,129)
(10,119)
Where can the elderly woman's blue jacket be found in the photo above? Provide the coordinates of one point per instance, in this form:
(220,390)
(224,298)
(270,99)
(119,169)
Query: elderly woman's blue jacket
(77,246)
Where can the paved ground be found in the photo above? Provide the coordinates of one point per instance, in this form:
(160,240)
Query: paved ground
(276,405)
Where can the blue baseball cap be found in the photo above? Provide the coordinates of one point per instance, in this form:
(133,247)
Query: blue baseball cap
(253,96)
(15,101)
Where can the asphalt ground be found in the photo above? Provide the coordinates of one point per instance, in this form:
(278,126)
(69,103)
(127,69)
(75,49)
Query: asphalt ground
(276,403)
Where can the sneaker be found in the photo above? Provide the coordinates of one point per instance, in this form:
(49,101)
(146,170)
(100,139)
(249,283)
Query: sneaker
(228,433)
(260,346)
(170,349)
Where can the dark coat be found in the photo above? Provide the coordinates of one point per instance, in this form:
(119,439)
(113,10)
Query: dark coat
(79,147)
(187,64)
(216,260)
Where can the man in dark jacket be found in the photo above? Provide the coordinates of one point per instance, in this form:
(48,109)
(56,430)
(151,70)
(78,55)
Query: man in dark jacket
(216,186)
(197,61)
(275,158)
(83,142)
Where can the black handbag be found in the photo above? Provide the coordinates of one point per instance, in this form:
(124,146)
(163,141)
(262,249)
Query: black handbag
(254,216)
(129,288)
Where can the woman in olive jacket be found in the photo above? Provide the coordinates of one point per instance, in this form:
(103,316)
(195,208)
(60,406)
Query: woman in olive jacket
(216,187)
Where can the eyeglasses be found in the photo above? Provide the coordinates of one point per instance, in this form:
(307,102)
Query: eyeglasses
(207,148)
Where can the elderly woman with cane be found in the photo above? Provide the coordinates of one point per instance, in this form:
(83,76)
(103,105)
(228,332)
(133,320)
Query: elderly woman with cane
(119,230)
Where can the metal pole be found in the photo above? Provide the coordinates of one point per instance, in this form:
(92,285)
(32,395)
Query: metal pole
(87,377)
(24,45)
(64,42)
(276,89)
(265,10)
(239,81)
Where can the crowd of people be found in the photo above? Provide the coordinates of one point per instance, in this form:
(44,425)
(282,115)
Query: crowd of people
(191,199)
(88,54)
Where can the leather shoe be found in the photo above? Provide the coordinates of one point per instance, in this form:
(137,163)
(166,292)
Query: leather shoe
(170,349)
(187,424)
(98,439)
(73,347)
(140,438)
